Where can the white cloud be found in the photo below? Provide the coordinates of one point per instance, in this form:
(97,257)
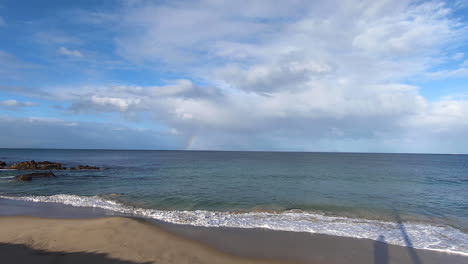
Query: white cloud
(458,56)
(308,75)
(443,74)
(268,78)
(114,103)
(317,29)
(383,114)
(330,70)
(70,52)
(2,22)
(14,104)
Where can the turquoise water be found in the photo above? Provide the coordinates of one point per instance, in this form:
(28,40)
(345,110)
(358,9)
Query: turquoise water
(347,194)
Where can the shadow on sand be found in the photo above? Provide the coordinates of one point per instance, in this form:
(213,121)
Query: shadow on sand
(381,247)
(380,251)
(409,245)
(19,254)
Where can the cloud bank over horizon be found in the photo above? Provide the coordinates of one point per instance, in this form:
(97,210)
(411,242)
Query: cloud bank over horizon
(354,76)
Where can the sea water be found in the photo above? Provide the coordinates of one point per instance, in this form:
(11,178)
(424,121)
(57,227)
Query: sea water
(415,200)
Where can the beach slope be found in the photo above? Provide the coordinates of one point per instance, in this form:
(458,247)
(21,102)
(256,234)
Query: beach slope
(103,240)
(127,240)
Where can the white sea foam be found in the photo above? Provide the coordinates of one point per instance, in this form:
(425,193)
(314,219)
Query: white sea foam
(423,236)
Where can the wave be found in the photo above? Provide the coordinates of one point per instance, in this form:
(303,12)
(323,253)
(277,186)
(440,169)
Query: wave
(423,236)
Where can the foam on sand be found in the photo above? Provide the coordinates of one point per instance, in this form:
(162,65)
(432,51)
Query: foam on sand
(422,235)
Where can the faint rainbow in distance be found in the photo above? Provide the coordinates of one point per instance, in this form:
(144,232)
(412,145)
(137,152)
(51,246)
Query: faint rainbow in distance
(190,142)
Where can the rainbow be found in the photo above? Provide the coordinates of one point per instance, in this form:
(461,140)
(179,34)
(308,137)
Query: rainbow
(190,142)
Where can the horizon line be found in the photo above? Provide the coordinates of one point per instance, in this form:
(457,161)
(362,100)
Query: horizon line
(211,150)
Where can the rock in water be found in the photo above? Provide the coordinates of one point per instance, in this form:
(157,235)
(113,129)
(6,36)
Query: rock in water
(87,167)
(33,165)
(2,164)
(47,165)
(31,176)
(27,165)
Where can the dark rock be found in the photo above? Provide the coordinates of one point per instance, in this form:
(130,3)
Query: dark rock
(45,162)
(51,166)
(33,165)
(27,165)
(86,167)
(31,176)
(2,164)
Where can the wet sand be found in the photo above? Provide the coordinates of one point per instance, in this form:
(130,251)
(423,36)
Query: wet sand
(97,237)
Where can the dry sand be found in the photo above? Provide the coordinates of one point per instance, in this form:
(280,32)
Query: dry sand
(103,240)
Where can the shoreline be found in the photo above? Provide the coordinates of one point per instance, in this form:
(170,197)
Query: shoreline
(252,243)
(398,232)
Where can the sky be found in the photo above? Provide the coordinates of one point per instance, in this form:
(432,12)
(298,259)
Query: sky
(264,75)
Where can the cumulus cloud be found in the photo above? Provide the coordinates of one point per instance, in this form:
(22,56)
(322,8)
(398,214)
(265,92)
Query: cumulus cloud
(273,77)
(374,121)
(70,52)
(316,30)
(122,98)
(297,75)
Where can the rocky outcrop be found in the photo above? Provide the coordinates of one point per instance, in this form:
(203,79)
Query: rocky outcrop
(47,165)
(46,162)
(31,176)
(26,165)
(33,165)
(2,164)
(85,167)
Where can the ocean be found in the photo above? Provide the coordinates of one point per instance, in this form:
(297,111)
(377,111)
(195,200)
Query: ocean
(414,200)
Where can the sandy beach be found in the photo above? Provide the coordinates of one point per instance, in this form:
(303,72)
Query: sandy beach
(37,232)
(27,239)
(102,240)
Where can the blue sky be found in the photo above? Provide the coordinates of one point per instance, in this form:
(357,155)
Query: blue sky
(357,76)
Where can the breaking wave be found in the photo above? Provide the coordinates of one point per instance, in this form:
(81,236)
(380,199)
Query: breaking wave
(423,235)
